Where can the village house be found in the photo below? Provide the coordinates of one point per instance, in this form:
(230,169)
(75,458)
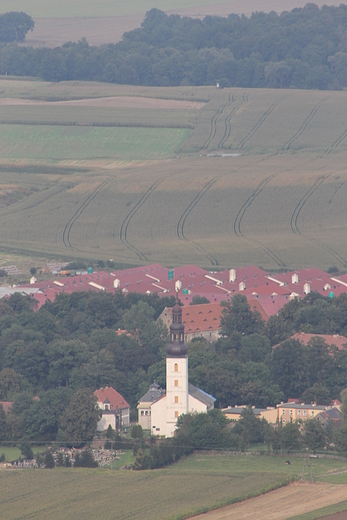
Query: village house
(234,413)
(115,409)
(290,412)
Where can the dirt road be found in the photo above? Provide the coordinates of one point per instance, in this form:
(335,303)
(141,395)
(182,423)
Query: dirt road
(281,504)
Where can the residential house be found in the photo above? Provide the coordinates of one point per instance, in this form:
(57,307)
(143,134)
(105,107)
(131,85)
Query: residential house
(115,409)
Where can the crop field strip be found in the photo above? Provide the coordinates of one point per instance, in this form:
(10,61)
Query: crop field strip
(202,482)
(206,210)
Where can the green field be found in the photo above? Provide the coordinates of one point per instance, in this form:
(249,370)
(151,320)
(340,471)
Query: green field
(67,142)
(233,177)
(193,485)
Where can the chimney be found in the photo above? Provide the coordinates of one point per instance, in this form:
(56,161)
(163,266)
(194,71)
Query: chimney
(232,275)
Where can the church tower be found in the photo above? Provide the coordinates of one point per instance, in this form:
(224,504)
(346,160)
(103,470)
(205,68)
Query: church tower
(176,372)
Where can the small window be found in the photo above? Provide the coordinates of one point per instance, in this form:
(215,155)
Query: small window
(283,412)
(106,406)
(142,412)
(176,382)
(312,413)
(299,412)
(146,412)
(290,412)
(176,367)
(176,398)
(176,414)
(149,413)
(305,413)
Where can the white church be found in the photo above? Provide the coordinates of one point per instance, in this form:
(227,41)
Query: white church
(158,410)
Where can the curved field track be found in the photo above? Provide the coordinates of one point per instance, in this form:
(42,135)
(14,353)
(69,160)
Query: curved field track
(281,504)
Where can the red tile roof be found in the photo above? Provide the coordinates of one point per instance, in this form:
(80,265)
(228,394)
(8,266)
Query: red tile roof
(6,405)
(339,341)
(116,400)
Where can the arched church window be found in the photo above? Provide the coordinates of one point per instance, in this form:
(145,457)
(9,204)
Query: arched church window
(176,367)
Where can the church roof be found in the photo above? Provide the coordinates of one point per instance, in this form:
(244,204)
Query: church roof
(153,394)
(200,395)
(195,392)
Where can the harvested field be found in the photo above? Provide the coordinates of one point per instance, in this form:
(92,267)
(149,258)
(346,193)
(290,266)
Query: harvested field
(282,503)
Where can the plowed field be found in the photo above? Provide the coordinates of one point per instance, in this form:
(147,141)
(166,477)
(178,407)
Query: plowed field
(281,504)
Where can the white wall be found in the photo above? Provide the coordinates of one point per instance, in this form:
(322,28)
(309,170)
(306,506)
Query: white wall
(196,406)
(158,417)
(105,421)
(176,391)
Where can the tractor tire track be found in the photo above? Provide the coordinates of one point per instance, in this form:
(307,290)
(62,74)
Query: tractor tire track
(258,124)
(228,122)
(213,129)
(304,125)
(184,216)
(301,204)
(78,213)
(295,215)
(125,224)
(335,144)
(241,213)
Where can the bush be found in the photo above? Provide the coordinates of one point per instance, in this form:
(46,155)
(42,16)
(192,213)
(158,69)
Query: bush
(33,271)
(60,460)
(26,451)
(49,460)
(85,460)
(2,273)
(136,432)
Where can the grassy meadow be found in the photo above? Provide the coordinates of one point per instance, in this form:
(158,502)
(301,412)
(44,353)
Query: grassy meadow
(218,178)
(196,484)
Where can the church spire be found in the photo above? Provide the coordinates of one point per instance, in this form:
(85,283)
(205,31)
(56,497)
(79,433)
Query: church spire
(176,347)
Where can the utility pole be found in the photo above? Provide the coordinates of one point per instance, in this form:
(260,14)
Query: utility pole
(306,461)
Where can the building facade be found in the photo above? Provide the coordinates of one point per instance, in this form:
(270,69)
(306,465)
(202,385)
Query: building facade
(164,408)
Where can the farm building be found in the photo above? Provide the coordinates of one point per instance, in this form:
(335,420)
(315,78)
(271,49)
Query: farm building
(115,409)
(159,409)
(268,292)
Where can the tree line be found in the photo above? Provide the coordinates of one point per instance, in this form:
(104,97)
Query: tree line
(304,48)
(52,360)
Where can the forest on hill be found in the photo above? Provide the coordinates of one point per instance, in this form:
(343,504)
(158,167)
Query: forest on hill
(70,347)
(305,48)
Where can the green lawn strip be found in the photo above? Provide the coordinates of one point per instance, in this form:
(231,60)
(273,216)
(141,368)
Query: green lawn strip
(60,142)
(320,513)
(13,453)
(125,459)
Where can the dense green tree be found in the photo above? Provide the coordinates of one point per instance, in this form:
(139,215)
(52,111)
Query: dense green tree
(289,368)
(78,422)
(314,436)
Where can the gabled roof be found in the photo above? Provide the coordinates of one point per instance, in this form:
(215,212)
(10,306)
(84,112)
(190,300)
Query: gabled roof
(153,394)
(195,392)
(334,339)
(200,395)
(334,413)
(116,400)
(201,318)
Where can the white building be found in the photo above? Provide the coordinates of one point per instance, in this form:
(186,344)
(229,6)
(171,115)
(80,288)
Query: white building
(164,408)
(115,409)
